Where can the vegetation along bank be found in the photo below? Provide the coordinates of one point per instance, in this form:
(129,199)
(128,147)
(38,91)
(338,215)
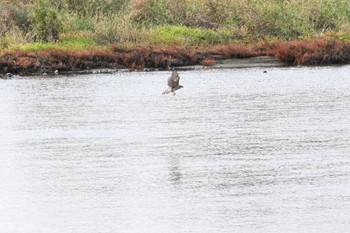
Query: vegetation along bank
(46,36)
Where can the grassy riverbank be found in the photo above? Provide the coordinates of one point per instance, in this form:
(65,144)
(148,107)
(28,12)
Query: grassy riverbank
(47,35)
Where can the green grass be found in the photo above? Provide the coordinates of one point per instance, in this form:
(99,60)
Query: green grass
(345,37)
(66,43)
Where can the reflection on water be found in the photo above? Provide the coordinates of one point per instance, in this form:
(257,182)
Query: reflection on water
(233,151)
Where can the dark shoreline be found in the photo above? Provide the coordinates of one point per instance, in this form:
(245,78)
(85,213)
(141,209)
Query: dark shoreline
(261,61)
(316,52)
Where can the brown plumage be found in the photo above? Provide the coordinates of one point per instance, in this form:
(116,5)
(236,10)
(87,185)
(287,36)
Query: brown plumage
(173,83)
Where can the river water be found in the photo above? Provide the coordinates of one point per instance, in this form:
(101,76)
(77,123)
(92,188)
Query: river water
(236,150)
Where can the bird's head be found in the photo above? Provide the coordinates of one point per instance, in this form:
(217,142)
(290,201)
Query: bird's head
(175,74)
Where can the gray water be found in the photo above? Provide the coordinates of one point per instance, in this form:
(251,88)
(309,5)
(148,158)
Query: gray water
(234,151)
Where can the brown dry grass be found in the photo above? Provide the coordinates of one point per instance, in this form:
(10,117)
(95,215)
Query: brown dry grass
(208,62)
(319,51)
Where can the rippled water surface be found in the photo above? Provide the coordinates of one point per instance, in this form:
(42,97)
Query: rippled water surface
(234,151)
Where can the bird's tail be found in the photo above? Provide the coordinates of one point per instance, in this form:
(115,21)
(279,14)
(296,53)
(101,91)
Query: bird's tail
(167,91)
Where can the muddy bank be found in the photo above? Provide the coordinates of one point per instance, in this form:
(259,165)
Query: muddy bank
(319,51)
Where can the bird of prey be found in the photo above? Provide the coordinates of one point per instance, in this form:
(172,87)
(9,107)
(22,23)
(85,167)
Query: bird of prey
(173,83)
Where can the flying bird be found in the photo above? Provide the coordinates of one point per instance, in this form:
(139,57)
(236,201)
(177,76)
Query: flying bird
(173,83)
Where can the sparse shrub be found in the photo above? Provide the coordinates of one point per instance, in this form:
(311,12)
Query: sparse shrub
(7,21)
(13,38)
(74,22)
(22,19)
(170,35)
(154,12)
(192,23)
(91,8)
(45,21)
(292,19)
(11,31)
(118,28)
